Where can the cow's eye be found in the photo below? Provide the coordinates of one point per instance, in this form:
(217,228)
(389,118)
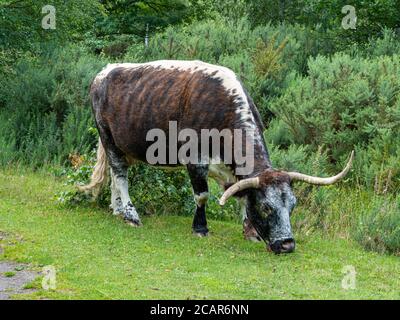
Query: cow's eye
(266,209)
(291,202)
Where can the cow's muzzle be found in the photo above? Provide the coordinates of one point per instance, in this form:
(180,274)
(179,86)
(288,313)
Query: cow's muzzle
(283,246)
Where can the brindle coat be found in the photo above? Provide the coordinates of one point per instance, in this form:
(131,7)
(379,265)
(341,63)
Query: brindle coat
(131,99)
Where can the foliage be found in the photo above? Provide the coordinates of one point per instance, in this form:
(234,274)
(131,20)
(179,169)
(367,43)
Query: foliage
(21,22)
(46,114)
(347,103)
(135,17)
(265,59)
(386,45)
(152,190)
(379,228)
(321,90)
(372,16)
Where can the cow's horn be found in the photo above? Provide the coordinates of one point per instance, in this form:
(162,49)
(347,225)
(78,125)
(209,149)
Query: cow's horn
(319,180)
(238,186)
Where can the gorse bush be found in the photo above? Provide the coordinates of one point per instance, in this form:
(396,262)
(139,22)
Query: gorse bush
(318,104)
(386,45)
(46,113)
(263,57)
(45,105)
(152,190)
(379,228)
(346,103)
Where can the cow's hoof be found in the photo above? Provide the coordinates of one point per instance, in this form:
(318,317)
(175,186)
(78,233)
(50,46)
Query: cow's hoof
(134,223)
(200,234)
(118,212)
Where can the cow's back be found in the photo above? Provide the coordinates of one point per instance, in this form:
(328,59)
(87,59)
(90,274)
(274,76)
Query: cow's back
(131,99)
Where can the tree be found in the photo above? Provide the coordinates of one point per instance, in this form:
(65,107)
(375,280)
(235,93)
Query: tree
(132,17)
(21,21)
(372,16)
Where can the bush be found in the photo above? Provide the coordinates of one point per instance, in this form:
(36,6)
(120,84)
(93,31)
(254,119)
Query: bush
(347,103)
(152,190)
(379,229)
(280,50)
(388,44)
(46,113)
(317,200)
(317,106)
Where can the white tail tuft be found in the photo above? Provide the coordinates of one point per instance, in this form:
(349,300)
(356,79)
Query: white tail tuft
(99,175)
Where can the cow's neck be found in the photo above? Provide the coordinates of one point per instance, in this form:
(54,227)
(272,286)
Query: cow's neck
(248,119)
(261,159)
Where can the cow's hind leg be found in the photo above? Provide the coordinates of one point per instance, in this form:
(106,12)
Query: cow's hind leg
(198,177)
(119,169)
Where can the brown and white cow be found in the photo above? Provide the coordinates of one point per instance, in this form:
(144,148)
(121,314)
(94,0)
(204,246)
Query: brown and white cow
(129,100)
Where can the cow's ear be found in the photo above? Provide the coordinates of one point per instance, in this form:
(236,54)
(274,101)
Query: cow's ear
(239,194)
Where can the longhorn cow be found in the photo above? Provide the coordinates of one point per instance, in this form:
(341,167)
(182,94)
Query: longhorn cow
(129,100)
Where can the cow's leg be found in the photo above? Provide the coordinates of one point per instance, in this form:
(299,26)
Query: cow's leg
(249,232)
(116,202)
(222,175)
(119,167)
(198,177)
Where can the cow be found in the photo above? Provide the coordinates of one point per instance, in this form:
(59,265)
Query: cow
(131,99)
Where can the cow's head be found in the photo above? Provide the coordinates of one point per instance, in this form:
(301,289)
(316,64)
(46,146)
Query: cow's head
(270,202)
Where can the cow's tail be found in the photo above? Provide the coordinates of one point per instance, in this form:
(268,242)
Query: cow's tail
(99,175)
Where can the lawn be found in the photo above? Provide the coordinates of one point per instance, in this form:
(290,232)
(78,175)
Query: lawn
(98,256)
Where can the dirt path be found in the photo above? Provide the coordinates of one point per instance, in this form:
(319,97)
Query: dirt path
(14,276)
(10,285)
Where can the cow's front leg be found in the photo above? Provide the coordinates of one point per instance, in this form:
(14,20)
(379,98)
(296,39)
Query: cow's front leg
(116,202)
(130,214)
(249,232)
(119,169)
(223,175)
(198,177)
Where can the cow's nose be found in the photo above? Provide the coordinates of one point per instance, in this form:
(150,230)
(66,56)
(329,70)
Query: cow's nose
(283,246)
(288,246)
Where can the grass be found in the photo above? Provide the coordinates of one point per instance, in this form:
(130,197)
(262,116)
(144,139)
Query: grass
(98,256)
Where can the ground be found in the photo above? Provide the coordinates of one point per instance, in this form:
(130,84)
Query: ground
(15,279)
(98,256)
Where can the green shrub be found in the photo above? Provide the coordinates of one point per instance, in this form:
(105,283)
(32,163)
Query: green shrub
(283,50)
(277,134)
(388,44)
(152,190)
(317,199)
(379,229)
(347,103)
(46,110)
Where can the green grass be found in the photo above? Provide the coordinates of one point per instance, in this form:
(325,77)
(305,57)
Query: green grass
(98,256)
